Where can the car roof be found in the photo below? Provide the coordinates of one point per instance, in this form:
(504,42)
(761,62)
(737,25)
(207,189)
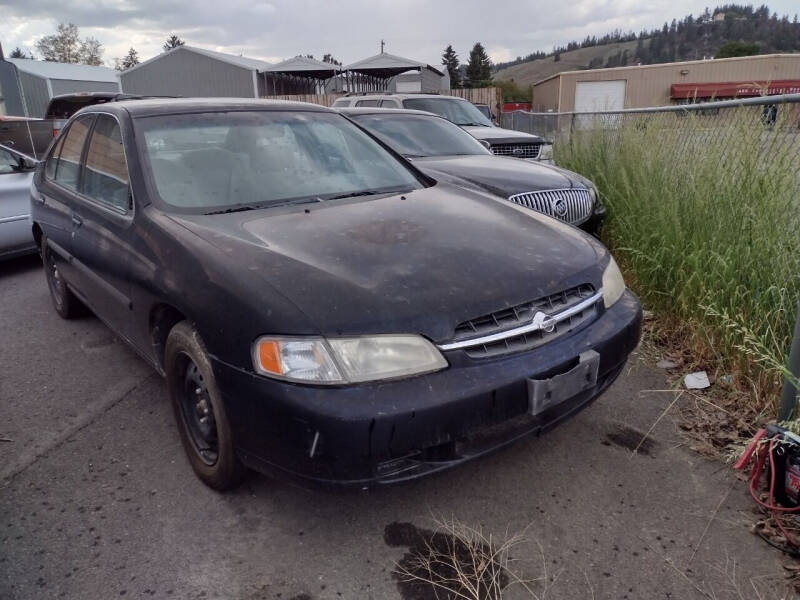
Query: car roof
(375,110)
(370,96)
(167,106)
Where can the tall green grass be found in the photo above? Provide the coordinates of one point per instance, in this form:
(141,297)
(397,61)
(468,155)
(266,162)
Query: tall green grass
(704,214)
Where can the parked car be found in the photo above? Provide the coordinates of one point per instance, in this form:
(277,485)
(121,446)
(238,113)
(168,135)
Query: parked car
(486,111)
(318,306)
(16,173)
(25,135)
(442,150)
(62,107)
(503,142)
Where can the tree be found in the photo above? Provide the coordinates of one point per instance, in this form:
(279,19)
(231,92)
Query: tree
(328,58)
(479,67)
(730,49)
(131,59)
(63,46)
(173,41)
(17,53)
(91,52)
(451,63)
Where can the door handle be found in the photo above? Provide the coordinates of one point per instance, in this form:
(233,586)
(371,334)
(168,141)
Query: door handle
(76,220)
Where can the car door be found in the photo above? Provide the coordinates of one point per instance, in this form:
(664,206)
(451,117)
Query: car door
(15,185)
(57,192)
(103,215)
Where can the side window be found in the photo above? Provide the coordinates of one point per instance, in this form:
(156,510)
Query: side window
(390,104)
(367,103)
(8,162)
(68,167)
(106,175)
(52,160)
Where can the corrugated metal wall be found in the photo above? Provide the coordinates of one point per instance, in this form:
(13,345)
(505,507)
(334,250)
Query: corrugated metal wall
(427,79)
(650,85)
(189,74)
(69,86)
(34,89)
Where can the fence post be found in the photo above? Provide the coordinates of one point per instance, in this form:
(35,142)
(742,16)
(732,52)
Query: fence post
(789,395)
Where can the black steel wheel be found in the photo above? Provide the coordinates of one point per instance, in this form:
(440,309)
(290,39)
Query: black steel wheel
(200,410)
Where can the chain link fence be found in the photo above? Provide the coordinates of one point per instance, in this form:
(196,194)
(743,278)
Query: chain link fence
(704,211)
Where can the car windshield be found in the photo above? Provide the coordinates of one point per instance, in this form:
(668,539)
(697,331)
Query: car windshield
(418,135)
(223,161)
(459,112)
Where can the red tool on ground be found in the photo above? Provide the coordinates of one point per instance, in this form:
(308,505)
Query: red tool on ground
(776,451)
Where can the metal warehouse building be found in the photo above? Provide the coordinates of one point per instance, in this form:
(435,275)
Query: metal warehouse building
(189,71)
(670,83)
(26,85)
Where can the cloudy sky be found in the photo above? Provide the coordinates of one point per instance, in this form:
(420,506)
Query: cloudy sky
(278,29)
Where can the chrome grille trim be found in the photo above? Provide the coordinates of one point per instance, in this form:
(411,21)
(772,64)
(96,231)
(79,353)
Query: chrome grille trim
(577,203)
(531,327)
(517,150)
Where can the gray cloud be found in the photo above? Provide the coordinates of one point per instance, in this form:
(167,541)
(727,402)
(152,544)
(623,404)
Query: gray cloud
(350,30)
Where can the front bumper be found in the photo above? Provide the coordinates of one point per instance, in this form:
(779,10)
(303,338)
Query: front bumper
(385,432)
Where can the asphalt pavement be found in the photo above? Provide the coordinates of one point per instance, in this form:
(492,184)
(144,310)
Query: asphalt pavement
(97,500)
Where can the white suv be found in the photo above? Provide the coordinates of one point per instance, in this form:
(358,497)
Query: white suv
(503,142)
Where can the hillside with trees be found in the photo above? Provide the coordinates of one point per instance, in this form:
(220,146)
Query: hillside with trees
(728,30)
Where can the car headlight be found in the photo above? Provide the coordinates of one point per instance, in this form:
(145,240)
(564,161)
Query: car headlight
(346,359)
(546,152)
(613,283)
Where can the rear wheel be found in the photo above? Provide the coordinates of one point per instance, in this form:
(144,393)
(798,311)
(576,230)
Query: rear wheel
(65,302)
(199,410)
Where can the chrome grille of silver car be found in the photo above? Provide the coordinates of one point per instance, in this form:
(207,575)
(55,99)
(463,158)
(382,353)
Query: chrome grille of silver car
(517,150)
(512,329)
(573,205)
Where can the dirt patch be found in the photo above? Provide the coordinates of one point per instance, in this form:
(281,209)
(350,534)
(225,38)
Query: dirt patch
(631,439)
(435,555)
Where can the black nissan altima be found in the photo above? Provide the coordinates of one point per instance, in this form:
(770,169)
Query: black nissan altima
(318,306)
(445,151)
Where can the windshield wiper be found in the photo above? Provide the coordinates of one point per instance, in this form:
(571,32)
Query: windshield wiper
(473,125)
(234,209)
(362,193)
(245,207)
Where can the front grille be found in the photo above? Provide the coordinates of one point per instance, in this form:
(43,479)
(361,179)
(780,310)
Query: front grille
(518,150)
(570,205)
(521,315)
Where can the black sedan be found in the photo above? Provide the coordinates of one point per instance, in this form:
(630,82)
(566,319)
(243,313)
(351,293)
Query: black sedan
(445,151)
(317,305)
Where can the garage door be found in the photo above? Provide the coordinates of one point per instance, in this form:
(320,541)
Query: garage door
(591,96)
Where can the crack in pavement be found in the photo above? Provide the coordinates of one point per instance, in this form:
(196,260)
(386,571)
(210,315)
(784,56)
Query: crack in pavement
(113,396)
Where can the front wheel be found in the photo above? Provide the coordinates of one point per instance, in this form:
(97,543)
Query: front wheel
(199,410)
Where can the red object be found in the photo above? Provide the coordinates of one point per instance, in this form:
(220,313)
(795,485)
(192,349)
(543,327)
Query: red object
(510,106)
(734,89)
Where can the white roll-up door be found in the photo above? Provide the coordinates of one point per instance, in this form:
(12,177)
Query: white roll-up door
(592,96)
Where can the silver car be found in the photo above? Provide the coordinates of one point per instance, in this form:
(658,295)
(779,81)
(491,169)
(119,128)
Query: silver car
(16,173)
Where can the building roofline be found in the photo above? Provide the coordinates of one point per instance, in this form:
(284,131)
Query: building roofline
(220,56)
(669,64)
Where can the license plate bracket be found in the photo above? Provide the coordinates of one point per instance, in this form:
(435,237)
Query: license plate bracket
(547,393)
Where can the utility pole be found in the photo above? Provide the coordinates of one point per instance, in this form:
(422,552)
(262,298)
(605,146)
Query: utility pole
(382,45)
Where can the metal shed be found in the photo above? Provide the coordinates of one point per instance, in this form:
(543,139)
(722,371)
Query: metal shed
(302,72)
(195,72)
(26,85)
(387,72)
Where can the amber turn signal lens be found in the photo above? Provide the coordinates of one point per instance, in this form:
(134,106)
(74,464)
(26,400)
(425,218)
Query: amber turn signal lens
(269,356)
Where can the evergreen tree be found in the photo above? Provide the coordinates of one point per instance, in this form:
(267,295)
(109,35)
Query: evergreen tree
(173,41)
(479,67)
(17,53)
(131,59)
(451,63)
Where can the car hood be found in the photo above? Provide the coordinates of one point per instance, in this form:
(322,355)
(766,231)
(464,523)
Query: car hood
(417,263)
(498,135)
(499,175)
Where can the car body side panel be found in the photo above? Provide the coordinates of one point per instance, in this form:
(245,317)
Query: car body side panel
(15,230)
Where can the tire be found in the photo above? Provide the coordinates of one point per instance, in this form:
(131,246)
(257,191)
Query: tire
(199,410)
(65,302)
